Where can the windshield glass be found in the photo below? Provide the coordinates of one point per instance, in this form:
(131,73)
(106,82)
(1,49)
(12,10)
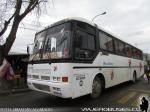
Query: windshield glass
(53,43)
(38,44)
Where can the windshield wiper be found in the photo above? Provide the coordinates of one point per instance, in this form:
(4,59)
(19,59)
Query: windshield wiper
(39,52)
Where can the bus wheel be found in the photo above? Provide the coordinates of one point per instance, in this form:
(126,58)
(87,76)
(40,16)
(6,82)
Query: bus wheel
(96,87)
(134,77)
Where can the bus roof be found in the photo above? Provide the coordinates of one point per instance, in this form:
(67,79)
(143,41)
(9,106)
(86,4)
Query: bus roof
(81,20)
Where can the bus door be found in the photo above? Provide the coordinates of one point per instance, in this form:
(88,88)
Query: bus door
(84,52)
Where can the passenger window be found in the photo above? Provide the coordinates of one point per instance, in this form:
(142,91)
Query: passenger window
(90,29)
(135,53)
(106,42)
(128,50)
(139,54)
(119,47)
(84,45)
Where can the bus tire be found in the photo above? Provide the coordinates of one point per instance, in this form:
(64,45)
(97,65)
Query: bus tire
(96,87)
(134,77)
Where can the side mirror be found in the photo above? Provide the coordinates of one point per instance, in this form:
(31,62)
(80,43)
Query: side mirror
(28,49)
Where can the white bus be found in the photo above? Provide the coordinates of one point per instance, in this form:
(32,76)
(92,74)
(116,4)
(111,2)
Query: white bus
(73,57)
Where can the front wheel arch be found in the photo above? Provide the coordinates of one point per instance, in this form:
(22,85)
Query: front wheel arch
(97,90)
(101,76)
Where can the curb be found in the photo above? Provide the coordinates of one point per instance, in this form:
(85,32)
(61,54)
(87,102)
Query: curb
(13,91)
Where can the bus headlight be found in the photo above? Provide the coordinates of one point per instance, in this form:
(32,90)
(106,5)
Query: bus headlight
(57,79)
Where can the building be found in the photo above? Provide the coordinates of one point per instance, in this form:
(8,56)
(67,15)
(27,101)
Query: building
(19,62)
(146,58)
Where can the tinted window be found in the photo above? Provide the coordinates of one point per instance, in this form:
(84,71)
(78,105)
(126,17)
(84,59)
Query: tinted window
(106,42)
(119,47)
(56,29)
(128,50)
(91,42)
(90,29)
(85,40)
(110,44)
(138,54)
(84,45)
(135,53)
(81,25)
(86,27)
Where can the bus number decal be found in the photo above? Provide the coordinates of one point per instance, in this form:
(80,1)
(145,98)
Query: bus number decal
(80,77)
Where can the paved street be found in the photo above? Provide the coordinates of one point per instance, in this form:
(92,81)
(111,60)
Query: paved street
(123,95)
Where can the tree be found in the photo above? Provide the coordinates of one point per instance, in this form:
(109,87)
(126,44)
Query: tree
(13,12)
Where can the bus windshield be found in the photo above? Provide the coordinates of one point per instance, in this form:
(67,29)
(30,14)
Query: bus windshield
(39,42)
(52,43)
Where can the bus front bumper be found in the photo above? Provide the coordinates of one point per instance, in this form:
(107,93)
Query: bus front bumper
(57,89)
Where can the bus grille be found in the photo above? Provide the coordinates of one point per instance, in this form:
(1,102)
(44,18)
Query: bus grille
(35,76)
(45,77)
(45,71)
(41,87)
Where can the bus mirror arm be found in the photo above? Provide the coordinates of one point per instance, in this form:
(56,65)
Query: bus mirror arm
(28,49)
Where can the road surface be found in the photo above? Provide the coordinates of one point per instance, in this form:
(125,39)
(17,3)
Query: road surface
(124,95)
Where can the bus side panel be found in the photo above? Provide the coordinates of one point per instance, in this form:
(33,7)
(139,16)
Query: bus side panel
(114,68)
(82,80)
(117,69)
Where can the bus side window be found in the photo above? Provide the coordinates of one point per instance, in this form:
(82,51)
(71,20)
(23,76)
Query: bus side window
(84,45)
(139,54)
(119,47)
(106,42)
(128,50)
(135,53)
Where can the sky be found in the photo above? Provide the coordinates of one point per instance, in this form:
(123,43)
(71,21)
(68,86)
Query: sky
(129,20)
